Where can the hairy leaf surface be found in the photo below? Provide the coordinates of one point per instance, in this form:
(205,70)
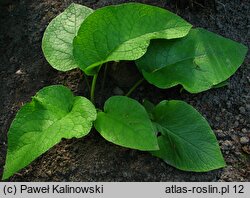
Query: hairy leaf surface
(54,113)
(123,32)
(58,38)
(198,61)
(125,122)
(186,141)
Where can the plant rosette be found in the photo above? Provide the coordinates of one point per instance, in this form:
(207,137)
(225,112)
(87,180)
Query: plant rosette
(166,50)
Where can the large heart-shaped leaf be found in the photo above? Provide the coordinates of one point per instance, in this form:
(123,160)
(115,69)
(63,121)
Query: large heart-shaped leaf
(125,122)
(198,61)
(54,113)
(123,32)
(58,37)
(186,141)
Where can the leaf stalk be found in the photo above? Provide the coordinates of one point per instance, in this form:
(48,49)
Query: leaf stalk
(86,80)
(93,85)
(139,82)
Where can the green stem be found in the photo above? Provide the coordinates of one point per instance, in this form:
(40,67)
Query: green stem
(86,80)
(104,76)
(134,87)
(92,92)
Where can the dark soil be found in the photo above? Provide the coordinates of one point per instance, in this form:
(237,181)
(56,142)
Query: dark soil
(24,71)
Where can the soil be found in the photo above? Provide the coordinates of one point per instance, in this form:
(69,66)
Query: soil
(24,71)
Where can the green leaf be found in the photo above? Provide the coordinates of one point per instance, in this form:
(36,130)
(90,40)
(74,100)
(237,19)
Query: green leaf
(198,61)
(149,106)
(222,84)
(125,122)
(54,113)
(186,141)
(57,41)
(123,32)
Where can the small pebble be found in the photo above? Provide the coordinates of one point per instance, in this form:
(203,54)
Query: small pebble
(248,107)
(234,138)
(73,168)
(49,172)
(236,124)
(226,145)
(242,121)
(242,110)
(237,117)
(192,178)
(244,140)
(19,71)
(244,130)
(229,105)
(220,133)
(13,59)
